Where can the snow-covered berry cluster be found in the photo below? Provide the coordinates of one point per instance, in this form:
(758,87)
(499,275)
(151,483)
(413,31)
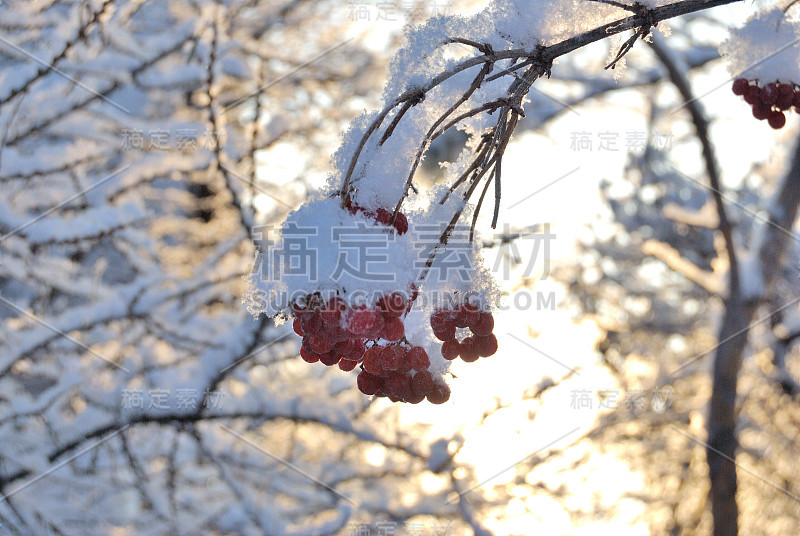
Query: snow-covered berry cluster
(370,337)
(349,276)
(768,102)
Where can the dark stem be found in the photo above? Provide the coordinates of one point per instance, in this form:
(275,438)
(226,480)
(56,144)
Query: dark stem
(769,247)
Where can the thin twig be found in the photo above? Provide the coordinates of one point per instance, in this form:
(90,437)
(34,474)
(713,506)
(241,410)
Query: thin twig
(476,83)
(215,121)
(477,210)
(485,48)
(627,46)
(488,107)
(412,94)
(497,191)
(712,169)
(483,149)
(406,106)
(626,7)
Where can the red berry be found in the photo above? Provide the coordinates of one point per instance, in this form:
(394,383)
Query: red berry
(319,345)
(369,384)
(770,94)
(392,358)
(440,394)
(332,311)
(372,360)
(335,333)
(418,358)
(347,365)
(356,351)
(383,216)
(329,359)
(451,349)
(471,314)
(351,349)
(446,334)
(392,305)
(297,328)
(761,111)
(400,386)
(311,323)
(308,357)
(406,365)
(740,86)
(356,208)
(422,383)
(393,330)
(796,99)
(363,321)
(484,326)
(486,346)
(344,347)
(415,398)
(442,318)
(401,223)
(785,95)
(777,120)
(468,351)
(753,95)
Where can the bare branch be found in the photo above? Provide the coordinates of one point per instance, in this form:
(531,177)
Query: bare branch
(712,170)
(767,250)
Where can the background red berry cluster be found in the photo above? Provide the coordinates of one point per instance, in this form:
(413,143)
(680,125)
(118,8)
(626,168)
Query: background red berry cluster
(768,102)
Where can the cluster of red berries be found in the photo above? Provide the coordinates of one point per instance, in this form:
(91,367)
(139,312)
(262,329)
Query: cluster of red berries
(373,338)
(382,216)
(481,343)
(337,334)
(770,101)
(400,372)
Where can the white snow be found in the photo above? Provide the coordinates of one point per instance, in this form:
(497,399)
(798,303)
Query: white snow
(765,48)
